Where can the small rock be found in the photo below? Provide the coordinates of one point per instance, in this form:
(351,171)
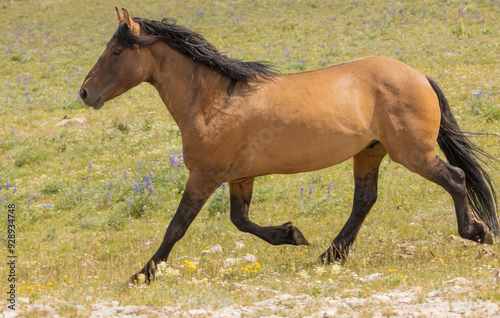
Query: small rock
(214,249)
(330,313)
(434,293)
(250,258)
(382,298)
(458,281)
(239,245)
(354,302)
(372,277)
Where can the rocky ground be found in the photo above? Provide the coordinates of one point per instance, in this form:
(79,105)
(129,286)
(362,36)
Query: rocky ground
(454,299)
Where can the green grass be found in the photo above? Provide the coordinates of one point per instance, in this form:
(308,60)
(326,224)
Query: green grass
(78,235)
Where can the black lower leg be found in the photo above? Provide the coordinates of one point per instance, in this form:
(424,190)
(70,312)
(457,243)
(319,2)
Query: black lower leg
(365,195)
(241,195)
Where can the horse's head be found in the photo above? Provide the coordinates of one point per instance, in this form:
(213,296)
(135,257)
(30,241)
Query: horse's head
(119,68)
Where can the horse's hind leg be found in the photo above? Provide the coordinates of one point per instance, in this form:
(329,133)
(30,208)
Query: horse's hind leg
(241,195)
(452,179)
(366,166)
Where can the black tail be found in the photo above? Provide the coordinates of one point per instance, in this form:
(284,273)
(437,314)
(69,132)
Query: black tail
(462,153)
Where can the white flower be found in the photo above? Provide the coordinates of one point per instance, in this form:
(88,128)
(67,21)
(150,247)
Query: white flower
(304,275)
(320,270)
(163,270)
(335,269)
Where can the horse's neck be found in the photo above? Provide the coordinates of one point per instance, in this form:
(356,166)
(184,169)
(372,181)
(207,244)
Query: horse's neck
(185,86)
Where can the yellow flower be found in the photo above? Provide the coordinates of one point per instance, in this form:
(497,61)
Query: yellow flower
(256,265)
(50,284)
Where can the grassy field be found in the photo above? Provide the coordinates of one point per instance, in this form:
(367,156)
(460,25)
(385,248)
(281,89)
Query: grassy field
(84,224)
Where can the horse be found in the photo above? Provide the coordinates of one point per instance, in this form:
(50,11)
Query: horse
(240,120)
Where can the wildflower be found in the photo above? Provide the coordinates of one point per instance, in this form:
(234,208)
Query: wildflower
(7,185)
(335,269)
(140,165)
(224,185)
(135,187)
(302,189)
(90,166)
(129,201)
(173,162)
(151,190)
(164,270)
(1,186)
(304,275)
(330,187)
(111,184)
(47,205)
(108,195)
(320,270)
(256,265)
(124,174)
(181,158)
(141,278)
(15,188)
(12,130)
(190,265)
(311,188)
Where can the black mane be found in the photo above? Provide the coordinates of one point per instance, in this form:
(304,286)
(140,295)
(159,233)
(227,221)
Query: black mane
(195,46)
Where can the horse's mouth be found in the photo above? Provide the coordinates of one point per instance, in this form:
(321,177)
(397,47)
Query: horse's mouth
(98,103)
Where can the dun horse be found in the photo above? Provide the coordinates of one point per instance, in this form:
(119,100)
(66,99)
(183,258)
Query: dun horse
(240,120)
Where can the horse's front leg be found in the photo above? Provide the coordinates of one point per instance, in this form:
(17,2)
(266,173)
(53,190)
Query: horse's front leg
(198,189)
(241,195)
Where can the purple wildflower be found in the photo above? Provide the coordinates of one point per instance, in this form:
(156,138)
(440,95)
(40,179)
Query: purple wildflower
(7,185)
(129,201)
(224,186)
(91,166)
(15,188)
(140,165)
(12,130)
(311,188)
(47,205)
(108,194)
(173,162)
(135,188)
(181,158)
(302,189)
(111,184)
(151,190)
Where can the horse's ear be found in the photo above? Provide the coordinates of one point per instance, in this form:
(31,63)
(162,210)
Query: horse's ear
(132,25)
(119,16)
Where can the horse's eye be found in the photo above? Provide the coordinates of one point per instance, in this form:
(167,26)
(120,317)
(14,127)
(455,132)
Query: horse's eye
(117,52)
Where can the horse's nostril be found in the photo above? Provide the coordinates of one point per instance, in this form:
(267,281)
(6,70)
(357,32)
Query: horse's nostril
(83,94)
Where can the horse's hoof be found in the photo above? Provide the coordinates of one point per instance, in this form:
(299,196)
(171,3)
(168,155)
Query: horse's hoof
(295,236)
(487,239)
